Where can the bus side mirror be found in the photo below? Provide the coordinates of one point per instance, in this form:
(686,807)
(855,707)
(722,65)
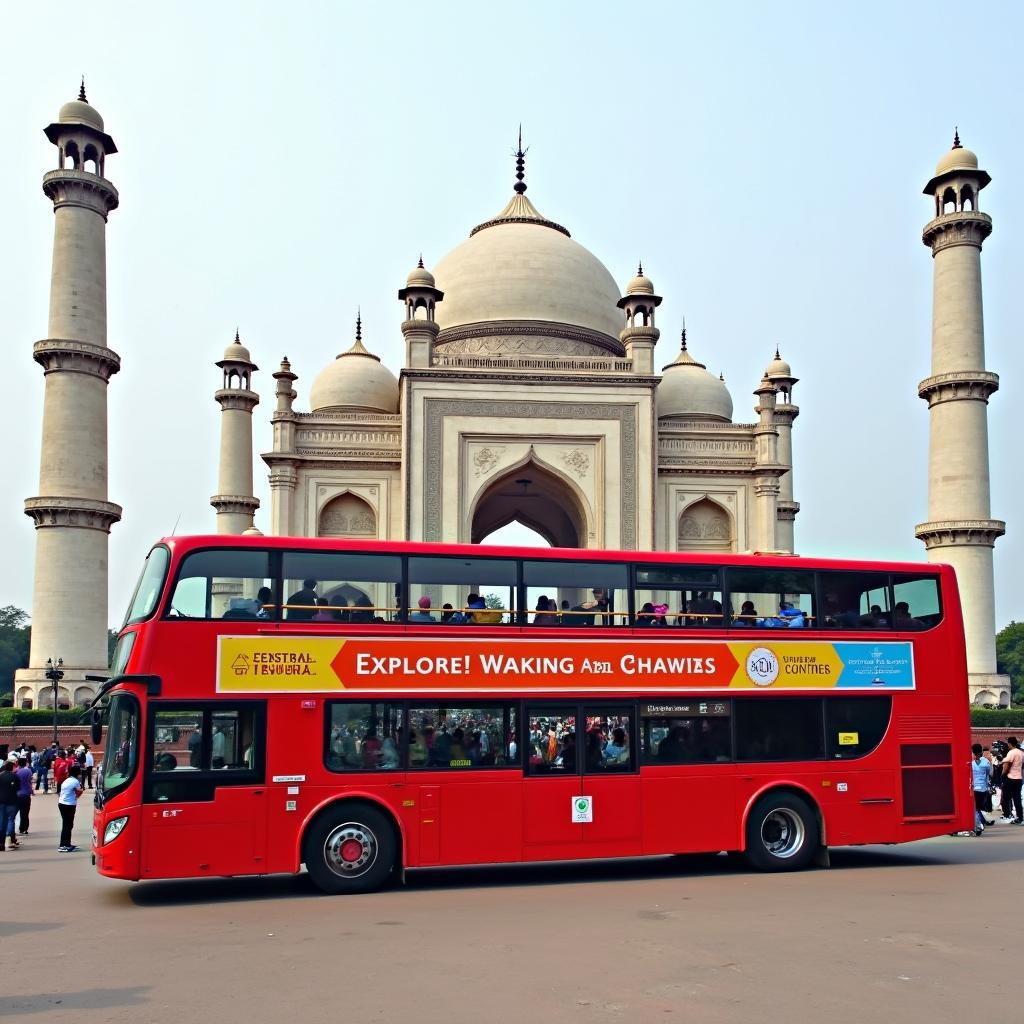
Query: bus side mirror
(96,726)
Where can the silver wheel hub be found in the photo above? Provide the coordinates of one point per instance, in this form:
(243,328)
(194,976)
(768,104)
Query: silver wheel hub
(782,832)
(350,850)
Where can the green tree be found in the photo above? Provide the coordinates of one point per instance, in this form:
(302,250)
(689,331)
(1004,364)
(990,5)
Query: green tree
(14,636)
(493,601)
(1010,657)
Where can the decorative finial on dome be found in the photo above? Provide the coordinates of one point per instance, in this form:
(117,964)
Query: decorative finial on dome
(684,334)
(238,340)
(639,269)
(420,263)
(777,356)
(81,91)
(520,185)
(956,138)
(359,324)
(721,377)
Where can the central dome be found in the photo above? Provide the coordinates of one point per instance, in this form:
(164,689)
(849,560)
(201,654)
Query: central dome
(520,266)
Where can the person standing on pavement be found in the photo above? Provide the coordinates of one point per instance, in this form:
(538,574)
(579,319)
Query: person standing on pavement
(67,804)
(24,776)
(8,804)
(61,763)
(981,783)
(90,763)
(1012,778)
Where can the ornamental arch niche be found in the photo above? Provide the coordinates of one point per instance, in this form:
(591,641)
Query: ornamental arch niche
(347,515)
(705,526)
(537,497)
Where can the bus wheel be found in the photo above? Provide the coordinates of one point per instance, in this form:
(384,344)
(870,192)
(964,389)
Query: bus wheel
(350,849)
(782,833)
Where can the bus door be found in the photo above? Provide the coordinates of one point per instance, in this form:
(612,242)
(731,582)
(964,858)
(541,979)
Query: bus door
(204,796)
(610,780)
(552,787)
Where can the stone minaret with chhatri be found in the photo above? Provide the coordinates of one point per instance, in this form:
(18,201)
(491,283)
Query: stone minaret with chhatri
(234,502)
(71,511)
(960,530)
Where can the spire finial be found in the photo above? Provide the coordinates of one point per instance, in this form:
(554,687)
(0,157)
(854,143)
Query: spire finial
(520,185)
(684,334)
(238,341)
(777,356)
(721,377)
(359,324)
(420,264)
(81,91)
(956,138)
(639,269)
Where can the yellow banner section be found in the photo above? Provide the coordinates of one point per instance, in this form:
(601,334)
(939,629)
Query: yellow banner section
(270,664)
(786,665)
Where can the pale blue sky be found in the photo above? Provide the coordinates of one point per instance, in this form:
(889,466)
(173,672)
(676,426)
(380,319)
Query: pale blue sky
(281,164)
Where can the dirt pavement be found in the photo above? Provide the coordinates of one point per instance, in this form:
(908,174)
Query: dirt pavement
(906,932)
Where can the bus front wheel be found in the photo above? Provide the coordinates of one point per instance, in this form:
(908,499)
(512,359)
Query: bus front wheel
(350,849)
(782,833)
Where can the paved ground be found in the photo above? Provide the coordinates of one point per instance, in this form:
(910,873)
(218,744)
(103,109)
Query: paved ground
(909,932)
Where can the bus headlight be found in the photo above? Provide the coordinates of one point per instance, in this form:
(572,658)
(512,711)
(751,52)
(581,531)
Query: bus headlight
(114,828)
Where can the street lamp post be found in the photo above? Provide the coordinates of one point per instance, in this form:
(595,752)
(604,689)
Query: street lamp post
(55,673)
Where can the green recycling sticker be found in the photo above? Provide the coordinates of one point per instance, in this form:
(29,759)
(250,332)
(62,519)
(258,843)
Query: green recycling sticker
(582,809)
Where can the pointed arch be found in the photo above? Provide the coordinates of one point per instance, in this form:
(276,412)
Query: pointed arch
(536,494)
(347,515)
(705,525)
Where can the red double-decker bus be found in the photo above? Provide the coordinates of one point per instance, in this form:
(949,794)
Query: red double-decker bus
(363,708)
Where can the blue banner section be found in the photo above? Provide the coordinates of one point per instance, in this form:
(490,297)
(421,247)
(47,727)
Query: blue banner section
(883,666)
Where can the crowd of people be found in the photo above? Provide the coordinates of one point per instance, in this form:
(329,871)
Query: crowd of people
(996,777)
(25,772)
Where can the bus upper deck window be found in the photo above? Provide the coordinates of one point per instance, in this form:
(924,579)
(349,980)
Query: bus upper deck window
(224,584)
(341,587)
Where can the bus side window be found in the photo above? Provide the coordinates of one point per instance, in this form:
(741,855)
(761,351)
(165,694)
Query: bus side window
(771,598)
(785,729)
(577,594)
(916,602)
(462,737)
(363,736)
(669,595)
(341,587)
(855,600)
(223,584)
(462,591)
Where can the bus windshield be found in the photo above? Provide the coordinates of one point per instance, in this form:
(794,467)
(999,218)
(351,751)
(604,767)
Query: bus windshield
(147,590)
(122,752)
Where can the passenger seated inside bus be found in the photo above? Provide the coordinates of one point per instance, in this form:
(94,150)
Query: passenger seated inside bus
(242,608)
(422,613)
(747,616)
(598,603)
(546,614)
(324,612)
(904,620)
(705,610)
(302,604)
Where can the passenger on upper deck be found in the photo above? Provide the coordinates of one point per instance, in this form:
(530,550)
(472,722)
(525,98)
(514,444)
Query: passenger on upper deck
(904,620)
(302,604)
(423,614)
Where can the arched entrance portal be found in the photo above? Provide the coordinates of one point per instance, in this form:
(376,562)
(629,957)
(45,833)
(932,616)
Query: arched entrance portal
(537,498)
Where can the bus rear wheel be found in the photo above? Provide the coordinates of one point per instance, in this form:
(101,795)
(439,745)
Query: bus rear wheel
(781,834)
(350,849)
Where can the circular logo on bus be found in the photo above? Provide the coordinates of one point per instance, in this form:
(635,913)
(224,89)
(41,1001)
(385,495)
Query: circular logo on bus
(762,666)
(582,805)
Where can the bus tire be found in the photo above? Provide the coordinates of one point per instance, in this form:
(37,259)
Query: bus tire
(781,833)
(350,848)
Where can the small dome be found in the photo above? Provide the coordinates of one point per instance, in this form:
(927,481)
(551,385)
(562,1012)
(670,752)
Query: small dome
(420,277)
(778,367)
(236,352)
(687,389)
(252,531)
(641,284)
(355,380)
(957,159)
(80,111)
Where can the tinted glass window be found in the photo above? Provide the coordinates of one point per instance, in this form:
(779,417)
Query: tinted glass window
(363,736)
(223,584)
(779,730)
(855,600)
(694,608)
(121,755)
(462,591)
(461,737)
(686,732)
(771,598)
(577,593)
(551,738)
(854,726)
(151,582)
(608,741)
(341,587)
(177,741)
(916,602)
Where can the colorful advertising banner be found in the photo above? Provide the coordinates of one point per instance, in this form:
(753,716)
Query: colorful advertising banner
(317,664)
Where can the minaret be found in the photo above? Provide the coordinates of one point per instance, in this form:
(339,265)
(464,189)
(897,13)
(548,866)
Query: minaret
(283,470)
(420,329)
(780,374)
(71,512)
(640,335)
(767,469)
(234,501)
(960,530)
